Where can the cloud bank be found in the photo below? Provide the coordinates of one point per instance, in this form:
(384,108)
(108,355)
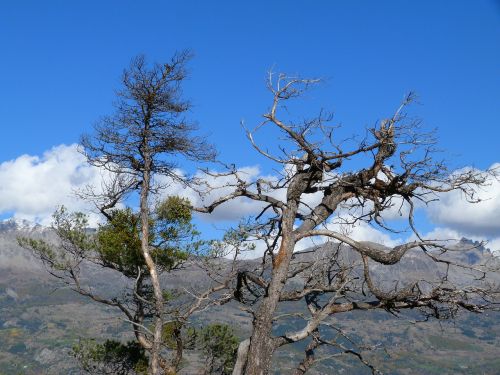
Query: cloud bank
(479,219)
(31,187)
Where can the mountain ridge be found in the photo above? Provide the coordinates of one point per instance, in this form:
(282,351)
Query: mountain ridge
(40,319)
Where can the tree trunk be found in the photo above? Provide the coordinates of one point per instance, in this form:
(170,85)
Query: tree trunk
(262,346)
(155,281)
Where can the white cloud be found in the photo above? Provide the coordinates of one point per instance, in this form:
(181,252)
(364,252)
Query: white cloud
(494,245)
(360,231)
(235,208)
(441,234)
(215,187)
(365,232)
(471,219)
(32,186)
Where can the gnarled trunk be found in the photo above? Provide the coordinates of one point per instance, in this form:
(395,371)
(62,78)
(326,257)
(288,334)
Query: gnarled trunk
(262,346)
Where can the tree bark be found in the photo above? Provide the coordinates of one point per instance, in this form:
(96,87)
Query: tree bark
(261,342)
(155,281)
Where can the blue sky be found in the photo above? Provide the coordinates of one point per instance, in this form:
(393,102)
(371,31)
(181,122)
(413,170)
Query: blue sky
(61,62)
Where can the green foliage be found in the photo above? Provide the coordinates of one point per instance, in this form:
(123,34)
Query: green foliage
(174,209)
(71,228)
(111,357)
(175,332)
(219,345)
(217,342)
(173,236)
(43,251)
(171,330)
(119,242)
(75,242)
(116,245)
(168,295)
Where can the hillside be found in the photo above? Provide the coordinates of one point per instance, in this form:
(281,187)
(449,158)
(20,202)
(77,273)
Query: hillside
(40,320)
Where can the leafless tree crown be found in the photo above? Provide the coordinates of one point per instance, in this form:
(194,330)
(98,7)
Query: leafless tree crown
(400,170)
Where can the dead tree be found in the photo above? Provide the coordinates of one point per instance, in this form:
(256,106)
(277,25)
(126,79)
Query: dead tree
(319,192)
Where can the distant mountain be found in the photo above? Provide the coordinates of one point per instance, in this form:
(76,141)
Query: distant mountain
(12,256)
(415,265)
(20,225)
(40,320)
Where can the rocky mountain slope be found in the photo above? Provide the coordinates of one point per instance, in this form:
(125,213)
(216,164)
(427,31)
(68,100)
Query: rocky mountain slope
(40,320)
